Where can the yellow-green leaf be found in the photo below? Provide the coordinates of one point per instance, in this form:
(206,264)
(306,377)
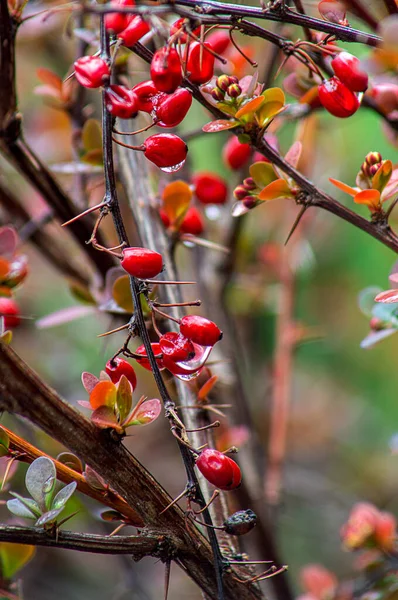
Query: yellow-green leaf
(276,189)
(121,293)
(262,173)
(250,107)
(13,557)
(382,176)
(124,398)
(93,157)
(92,135)
(176,198)
(82,293)
(274,103)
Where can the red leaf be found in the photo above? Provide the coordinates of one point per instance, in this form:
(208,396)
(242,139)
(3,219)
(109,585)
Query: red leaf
(387,297)
(219,125)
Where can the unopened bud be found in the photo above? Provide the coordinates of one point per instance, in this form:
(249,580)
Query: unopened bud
(249,184)
(234,90)
(240,192)
(223,82)
(373,158)
(373,170)
(217,94)
(233,79)
(376,324)
(249,201)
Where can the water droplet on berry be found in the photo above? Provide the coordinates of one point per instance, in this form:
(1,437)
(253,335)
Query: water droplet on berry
(174,168)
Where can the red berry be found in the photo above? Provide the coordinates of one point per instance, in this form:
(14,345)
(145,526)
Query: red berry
(166,150)
(192,222)
(116,22)
(219,41)
(121,102)
(172,108)
(235,154)
(347,67)
(117,367)
(176,346)
(200,330)
(91,71)
(134,31)
(144,362)
(178,25)
(200,63)
(219,469)
(147,94)
(166,70)
(142,262)
(10,311)
(210,188)
(337,98)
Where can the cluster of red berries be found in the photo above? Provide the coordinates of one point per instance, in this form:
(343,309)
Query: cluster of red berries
(339,94)
(226,85)
(13,270)
(192,222)
(219,469)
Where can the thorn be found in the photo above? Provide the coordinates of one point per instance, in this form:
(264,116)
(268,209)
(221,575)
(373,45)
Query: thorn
(296,222)
(114,330)
(173,502)
(84,213)
(167,578)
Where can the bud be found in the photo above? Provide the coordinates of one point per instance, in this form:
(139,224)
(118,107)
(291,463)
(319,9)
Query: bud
(376,324)
(249,184)
(373,170)
(233,79)
(234,90)
(223,82)
(373,158)
(240,192)
(217,94)
(249,201)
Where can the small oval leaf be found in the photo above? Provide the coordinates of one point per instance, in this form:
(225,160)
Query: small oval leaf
(63,496)
(104,394)
(145,412)
(40,479)
(219,125)
(276,189)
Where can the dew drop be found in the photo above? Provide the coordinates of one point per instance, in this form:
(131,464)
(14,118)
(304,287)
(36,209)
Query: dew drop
(239,209)
(174,168)
(189,377)
(213,212)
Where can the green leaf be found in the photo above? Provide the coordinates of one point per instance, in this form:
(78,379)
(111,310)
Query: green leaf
(63,496)
(92,135)
(4,442)
(124,399)
(48,517)
(382,176)
(40,481)
(13,557)
(386,313)
(262,173)
(366,300)
(121,293)
(70,460)
(23,507)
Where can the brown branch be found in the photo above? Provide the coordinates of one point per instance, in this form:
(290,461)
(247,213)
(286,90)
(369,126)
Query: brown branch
(148,543)
(22,392)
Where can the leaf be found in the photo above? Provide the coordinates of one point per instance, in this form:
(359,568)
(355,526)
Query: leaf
(207,387)
(82,293)
(85,404)
(344,187)
(23,507)
(13,557)
(48,517)
(111,516)
(219,125)
(376,336)
(63,496)
(63,316)
(104,394)
(70,460)
(226,108)
(274,103)
(387,297)
(124,399)
(382,176)
(8,241)
(121,293)
(176,198)
(332,11)
(93,479)
(49,78)
(89,381)
(369,197)
(366,300)
(262,173)
(293,154)
(92,135)
(276,189)
(40,480)
(6,337)
(4,268)
(105,418)
(4,442)
(387,313)
(94,157)
(145,412)
(250,107)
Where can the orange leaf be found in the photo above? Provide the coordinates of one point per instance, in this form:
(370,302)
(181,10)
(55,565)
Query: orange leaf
(4,268)
(369,197)
(276,189)
(49,78)
(250,107)
(176,198)
(104,394)
(344,187)
(207,387)
(219,125)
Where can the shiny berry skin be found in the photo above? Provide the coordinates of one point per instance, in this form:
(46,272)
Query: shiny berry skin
(116,22)
(117,367)
(200,330)
(235,154)
(220,470)
(134,31)
(200,71)
(172,108)
(347,68)
(91,71)
(178,25)
(142,262)
(192,222)
(9,310)
(210,188)
(176,368)
(147,94)
(166,70)
(165,150)
(240,522)
(219,41)
(144,361)
(176,346)
(121,102)
(337,98)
